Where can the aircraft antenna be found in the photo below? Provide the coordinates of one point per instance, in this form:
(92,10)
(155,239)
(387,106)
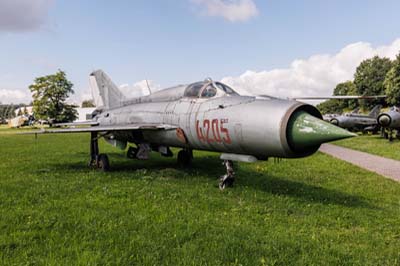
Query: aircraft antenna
(148,86)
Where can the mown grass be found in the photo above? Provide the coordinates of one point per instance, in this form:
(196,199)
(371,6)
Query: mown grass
(373,144)
(313,211)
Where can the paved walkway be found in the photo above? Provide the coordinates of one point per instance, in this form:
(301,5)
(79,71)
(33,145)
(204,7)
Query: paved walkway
(387,167)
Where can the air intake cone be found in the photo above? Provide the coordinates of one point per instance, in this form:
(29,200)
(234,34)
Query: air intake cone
(305,131)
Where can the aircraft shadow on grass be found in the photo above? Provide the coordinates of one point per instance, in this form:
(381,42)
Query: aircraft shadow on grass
(210,167)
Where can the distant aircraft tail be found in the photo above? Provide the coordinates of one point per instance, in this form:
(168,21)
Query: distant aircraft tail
(375,111)
(106,94)
(355,111)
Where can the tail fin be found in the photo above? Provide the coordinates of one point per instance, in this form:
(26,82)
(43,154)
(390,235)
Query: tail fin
(106,94)
(375,111)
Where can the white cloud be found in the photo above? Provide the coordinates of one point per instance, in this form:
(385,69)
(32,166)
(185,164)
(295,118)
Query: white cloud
(15,96)
(23,15)
(315,76)
(139,88)
(231,10)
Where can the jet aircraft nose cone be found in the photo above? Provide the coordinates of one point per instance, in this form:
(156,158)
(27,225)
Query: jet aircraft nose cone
(384,120)
(307,131)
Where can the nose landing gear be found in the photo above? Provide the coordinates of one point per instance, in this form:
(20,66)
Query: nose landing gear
(228,179)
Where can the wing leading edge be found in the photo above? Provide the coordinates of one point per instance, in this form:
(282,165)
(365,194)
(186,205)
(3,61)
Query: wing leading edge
(106,128)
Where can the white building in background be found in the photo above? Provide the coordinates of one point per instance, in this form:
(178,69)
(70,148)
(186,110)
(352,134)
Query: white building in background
(84,113)
(29,109)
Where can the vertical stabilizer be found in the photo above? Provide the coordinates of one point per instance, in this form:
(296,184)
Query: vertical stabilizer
(375,111)
(106,94)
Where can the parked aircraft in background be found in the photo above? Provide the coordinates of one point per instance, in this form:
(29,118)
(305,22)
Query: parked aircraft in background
(391,122)
(328,117)
(359,122)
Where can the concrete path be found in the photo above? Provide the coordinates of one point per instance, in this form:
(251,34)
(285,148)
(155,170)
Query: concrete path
(386,167)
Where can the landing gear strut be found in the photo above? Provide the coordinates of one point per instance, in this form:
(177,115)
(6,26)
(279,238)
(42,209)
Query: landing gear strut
(227,179)
(97,160)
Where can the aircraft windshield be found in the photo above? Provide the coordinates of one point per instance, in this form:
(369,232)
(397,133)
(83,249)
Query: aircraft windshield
(194,89)
(208,89)
(226,89)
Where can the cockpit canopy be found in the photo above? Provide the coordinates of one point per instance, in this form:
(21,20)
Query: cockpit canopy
(208,89)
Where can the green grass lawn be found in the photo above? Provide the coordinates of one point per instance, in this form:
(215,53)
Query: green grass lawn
(313,211)
(373,144)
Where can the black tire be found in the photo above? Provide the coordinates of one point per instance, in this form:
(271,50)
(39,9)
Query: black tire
(103,162)
(131,153)
(184,158)
(226,183)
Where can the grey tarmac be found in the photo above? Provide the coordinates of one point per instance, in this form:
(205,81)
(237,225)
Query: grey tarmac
(386,167)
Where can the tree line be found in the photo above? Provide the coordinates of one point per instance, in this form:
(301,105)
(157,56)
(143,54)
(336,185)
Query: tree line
(374,76)
(7,111)
(49,95)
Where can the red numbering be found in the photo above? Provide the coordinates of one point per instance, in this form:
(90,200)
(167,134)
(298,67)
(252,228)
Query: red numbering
(213,131)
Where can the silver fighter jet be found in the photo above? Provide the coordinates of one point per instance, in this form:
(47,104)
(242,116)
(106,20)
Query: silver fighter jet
(358,122)
(205,115)
(391,122)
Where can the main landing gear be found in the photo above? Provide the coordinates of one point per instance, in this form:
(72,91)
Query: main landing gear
(97,160)
(227,179)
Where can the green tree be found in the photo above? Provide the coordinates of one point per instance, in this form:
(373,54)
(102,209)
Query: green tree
(337,106)
(25,112)
(49,98)
(346,88)
(88,103)
(369,78)
(392,83)
(330,107)
(19,112)
(10,113)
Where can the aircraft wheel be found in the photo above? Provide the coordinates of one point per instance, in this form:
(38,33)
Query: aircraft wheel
(103,162)
(131,153)
(225,182)
(184,158)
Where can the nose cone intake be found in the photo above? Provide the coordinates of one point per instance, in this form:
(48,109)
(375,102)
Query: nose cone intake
(384,120)
(306,131)
(335,122)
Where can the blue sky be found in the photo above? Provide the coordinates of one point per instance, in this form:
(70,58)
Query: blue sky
(179,41)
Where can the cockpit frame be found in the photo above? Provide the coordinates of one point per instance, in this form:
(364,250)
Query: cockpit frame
(208,89)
